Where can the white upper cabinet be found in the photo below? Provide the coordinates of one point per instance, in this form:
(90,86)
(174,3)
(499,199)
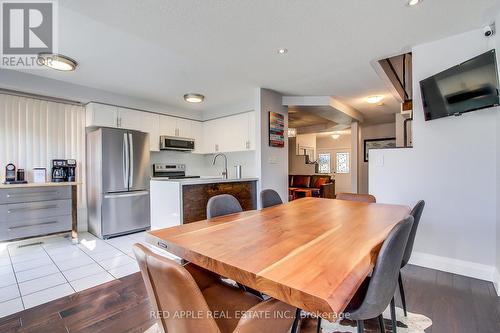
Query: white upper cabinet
(226,134)
(152,126)
(232,133)
(179,127)
(197,135)
(251,144)
(131,119)
(101,115)
(184,128)
(168,125)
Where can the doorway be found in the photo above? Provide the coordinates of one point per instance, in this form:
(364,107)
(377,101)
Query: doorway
(337,162)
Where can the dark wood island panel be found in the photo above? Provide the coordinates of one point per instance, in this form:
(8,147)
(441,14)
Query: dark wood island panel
(195,197)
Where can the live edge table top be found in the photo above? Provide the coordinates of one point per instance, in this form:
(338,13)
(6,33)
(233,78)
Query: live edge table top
(311,253)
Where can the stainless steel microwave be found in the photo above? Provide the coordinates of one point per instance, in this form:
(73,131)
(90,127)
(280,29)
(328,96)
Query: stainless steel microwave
(175,143)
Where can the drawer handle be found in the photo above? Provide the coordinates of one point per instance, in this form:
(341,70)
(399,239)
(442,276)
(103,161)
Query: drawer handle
(30,209)
(31,225)
(31,194)
(162,245)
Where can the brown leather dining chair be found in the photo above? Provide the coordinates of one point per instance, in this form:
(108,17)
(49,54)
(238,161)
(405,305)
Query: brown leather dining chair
(356,197)
(191,299)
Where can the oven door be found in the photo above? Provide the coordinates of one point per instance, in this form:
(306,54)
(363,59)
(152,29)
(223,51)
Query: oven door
(173,143)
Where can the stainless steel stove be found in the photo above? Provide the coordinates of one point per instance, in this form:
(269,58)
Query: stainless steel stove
(170,171)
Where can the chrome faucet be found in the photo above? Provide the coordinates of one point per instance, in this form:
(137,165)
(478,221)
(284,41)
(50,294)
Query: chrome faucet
(224,172)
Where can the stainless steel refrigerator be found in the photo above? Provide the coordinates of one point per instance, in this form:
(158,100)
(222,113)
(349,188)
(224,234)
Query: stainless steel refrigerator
(118,174)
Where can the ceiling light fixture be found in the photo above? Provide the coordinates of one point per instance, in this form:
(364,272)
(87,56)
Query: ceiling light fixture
(194,98)
(374,99)
(282,51)
(335,136)
(292,132)
(57,61)
(412,3)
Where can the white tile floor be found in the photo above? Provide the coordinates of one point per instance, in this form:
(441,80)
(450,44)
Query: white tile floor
(53,267)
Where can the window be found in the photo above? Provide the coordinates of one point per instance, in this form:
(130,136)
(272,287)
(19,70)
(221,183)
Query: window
(324,163)
(342,162)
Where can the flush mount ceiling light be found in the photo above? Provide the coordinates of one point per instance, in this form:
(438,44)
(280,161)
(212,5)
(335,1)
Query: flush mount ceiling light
(412,3)
(57,61)
(335,136)
(292,132)
(282,51)
(374,99)
(194,98)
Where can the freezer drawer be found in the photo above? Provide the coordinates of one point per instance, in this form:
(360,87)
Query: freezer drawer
(34,210)
(16,195)
(36,227)
(124,212)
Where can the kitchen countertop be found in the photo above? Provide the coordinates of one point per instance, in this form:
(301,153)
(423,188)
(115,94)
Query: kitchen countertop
(204,180)
(31,185)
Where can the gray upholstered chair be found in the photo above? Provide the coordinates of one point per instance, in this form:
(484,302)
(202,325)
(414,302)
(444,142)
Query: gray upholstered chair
(356,197)
(222,204)
(270,198)
(416,212)
(225,204)
(377,291)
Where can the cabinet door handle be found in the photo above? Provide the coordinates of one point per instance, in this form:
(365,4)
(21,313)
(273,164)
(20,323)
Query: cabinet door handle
(31,225)
(31,194)
(30,209)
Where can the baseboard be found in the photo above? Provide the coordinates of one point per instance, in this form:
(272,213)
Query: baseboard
(496,283)
(455,266)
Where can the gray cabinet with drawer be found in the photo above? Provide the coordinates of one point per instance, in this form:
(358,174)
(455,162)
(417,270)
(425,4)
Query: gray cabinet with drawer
(34,211)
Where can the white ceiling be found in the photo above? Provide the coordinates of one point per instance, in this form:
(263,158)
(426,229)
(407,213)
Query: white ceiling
(159,50)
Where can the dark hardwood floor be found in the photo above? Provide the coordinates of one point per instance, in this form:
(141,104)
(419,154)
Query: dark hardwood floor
(455,304)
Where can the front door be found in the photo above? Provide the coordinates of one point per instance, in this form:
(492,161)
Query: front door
(339,167)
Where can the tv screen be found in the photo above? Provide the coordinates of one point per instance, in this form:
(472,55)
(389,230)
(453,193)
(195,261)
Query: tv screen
(470,86)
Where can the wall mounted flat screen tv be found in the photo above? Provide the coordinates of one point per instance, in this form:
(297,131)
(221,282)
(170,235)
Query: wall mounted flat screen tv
(470,86)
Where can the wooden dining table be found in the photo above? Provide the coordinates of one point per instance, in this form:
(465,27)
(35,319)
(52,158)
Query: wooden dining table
(311,253)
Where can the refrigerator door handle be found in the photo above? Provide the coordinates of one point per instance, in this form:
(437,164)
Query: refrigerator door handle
(126,159)
(126,195)
(131,159)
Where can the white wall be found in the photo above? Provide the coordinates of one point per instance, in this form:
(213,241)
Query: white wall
(452,167)
(272,162)
(380,131)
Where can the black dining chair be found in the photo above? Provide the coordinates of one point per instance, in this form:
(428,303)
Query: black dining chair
(377,291)
(416,212)
(222,204)
(270,198)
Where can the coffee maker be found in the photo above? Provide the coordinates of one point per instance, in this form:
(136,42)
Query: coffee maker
(59,171)
(63,171)
(71,176)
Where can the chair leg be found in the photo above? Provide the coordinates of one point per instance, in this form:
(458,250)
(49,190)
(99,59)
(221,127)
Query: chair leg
(318,328)
(361,326)
(296,326)
(402,293)
(393,316)
(381,323)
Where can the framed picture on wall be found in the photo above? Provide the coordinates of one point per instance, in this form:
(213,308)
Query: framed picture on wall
(378,144)
(276,130)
